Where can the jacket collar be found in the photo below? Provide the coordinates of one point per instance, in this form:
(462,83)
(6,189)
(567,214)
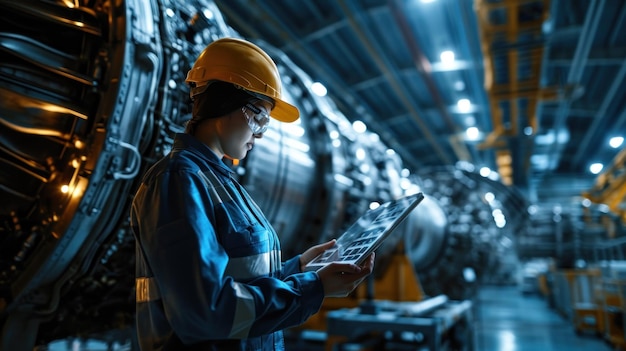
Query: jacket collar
(184,141)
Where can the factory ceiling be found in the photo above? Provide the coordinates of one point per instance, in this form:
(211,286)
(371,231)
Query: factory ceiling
(532,89)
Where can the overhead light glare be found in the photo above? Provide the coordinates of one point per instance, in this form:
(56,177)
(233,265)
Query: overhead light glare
(359,126)
(374,205)
(596,168)
(360,154)
(484,171)
(319,89)
(616,142)
(472,133)
(489,196)
(447,56)
(464,105)
(208,14)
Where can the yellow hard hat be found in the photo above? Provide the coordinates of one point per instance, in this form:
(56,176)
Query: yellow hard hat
(244,64)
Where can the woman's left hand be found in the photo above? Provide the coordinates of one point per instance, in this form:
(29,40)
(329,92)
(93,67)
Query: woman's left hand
(313,252)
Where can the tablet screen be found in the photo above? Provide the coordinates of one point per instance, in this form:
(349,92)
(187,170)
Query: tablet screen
(367,233)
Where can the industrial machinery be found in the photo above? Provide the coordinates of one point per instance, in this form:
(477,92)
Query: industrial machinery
(85,111)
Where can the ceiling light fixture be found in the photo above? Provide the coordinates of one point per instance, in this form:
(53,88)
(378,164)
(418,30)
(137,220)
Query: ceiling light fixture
(447,56)
(616,142)
(596,168)
(464,105)
(319,89)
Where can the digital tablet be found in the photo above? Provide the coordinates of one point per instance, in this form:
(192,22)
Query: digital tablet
(367,233)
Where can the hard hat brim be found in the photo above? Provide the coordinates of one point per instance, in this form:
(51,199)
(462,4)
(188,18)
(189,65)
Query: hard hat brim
(285,112)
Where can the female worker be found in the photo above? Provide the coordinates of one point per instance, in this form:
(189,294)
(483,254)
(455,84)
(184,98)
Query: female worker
(209,271)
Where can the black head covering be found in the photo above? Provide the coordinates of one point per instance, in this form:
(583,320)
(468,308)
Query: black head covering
(219,98)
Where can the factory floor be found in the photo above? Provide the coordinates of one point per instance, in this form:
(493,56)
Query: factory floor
(505,319)
(508,320)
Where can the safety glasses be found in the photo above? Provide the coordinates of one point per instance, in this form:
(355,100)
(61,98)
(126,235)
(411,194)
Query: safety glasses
(258,120)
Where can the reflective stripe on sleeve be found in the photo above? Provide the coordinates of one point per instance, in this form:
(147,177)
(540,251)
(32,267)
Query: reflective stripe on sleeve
(244,268)
(146,289)
(245,312)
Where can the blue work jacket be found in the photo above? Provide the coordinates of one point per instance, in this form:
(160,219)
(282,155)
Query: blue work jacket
(209,274)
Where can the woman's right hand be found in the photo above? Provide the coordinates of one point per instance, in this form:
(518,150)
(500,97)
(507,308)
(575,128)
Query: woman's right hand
(340,279)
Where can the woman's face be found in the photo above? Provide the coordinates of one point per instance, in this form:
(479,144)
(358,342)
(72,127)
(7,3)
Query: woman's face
(236,137)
